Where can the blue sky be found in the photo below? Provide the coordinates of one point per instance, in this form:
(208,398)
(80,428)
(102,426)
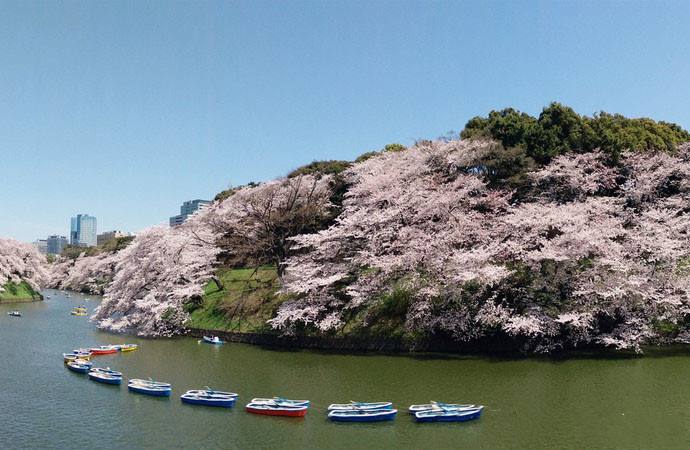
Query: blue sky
(124,109)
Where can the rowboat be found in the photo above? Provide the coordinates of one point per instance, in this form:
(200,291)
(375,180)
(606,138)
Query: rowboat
(449,415)
(362,415)
(279,401)
(79,311)
(213,340)
(79,366)
(105,376)
(128,347)
(276,410)
(103,350)
(209,397)
(360,406)
(150,387)
(438,405)
(14,314)
(67,357)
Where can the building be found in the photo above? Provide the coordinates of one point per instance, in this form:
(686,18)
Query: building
(41,245)
(83,231)
(56,244)
(110,235)
(187,209)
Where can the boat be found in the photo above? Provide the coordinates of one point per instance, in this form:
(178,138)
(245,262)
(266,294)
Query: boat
(79,366)
(362,415)
(279,401)
(149,387)
(360,406)
(79,311)
(438,405)
(449,415)
(276,410)
(103,350)
(105,376)
(213,340)
(14,314)
(209,397)
(68,357)
(128,347)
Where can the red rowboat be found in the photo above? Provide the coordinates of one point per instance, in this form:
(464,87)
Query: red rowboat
(275,410)
(103,350)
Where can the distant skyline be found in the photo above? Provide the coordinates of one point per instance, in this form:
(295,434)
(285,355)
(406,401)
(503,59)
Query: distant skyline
(123,110)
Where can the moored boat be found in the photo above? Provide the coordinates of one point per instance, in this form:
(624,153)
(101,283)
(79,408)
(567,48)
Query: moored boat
(150,387)
(362,415)
(276,410)
(67,357)
(279,401)
(438,405)
(14,314)
(213,340)
(79,366)
(103,350)
(449,415)
(105,376)
(79,311)
(360,406)
(209,397)
(128,347)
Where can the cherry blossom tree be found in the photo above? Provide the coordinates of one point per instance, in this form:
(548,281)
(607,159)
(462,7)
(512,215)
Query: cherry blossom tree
(21,262)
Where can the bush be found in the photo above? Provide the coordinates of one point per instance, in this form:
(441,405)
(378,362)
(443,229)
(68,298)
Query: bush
(331,167)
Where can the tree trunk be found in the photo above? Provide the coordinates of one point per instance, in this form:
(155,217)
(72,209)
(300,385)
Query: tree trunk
(216,280)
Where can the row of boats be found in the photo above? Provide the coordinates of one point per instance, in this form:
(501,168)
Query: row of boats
(79,361)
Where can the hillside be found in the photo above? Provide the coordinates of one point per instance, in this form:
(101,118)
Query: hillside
(534,234)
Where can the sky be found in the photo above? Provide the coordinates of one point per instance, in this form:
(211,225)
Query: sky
(125,109)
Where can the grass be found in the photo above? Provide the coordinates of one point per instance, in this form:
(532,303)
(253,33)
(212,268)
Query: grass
(248,299)
(14,292)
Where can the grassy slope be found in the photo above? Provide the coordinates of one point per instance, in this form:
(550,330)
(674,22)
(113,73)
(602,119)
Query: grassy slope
(17,292)
(247,301)
(250,298)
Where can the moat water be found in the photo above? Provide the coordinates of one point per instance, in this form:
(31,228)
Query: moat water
(578,402)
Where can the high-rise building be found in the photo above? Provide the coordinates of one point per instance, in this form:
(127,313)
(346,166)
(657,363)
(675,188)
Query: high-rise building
(41,245)
(187,209)
(56,244)
(110,235)
(83,231)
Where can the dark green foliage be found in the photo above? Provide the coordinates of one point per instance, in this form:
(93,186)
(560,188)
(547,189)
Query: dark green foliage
(331,167)
(559,130)
(394,148)
(364,156)
(503,166)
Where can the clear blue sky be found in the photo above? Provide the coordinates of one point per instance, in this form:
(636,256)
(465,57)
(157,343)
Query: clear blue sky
(124,109)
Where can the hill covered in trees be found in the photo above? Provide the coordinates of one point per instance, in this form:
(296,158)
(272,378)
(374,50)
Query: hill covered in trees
(538,233)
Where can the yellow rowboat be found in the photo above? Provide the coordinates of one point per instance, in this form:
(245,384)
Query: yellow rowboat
(70,357)
(77,313)
(128,347)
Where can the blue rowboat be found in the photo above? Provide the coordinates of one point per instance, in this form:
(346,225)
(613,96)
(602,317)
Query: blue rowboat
(360,406)
(79,366)
(209,397)
(279,401)
(362,415)
(437,405)
(149,387)
(449,415)
(105,376)
(213,340)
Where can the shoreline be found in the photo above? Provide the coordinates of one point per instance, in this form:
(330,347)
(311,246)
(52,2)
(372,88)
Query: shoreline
(402,347)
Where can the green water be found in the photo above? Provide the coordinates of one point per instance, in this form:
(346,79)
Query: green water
(573,403)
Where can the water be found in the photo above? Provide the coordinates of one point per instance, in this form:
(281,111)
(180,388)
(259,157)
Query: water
(573,403)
